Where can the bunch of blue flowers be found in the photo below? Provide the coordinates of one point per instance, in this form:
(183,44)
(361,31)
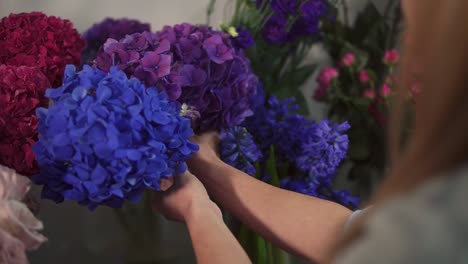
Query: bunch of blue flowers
(307,154)
(106,138)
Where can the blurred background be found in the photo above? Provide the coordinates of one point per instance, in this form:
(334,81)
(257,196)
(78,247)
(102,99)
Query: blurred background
(75,234)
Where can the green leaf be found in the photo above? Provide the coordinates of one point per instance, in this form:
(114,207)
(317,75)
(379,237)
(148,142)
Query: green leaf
(299,76)
(361,103)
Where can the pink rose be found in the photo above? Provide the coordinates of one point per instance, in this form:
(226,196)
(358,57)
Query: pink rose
(368,94)
(348,59)
(385,90)
(326,75)
(364,77)
(391,56)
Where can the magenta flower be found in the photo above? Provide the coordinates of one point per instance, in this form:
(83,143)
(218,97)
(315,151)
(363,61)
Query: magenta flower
(391,56)
(348,60)
(385,90)
(326,75)
(364,77)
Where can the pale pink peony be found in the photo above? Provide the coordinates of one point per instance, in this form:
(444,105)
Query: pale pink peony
(12,250)
(348,59)
(391,56)
(19,228)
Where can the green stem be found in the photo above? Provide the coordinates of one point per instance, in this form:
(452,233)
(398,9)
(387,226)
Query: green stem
(209,11)
(262,257)
(280,256)
(345,13)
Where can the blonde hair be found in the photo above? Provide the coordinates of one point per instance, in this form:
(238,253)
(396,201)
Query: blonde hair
(439,137)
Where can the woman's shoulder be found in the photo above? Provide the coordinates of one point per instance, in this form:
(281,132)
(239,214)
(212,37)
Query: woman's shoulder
(429,225)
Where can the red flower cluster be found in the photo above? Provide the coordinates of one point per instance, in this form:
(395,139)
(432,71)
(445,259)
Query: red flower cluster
(46,42)
(21,91)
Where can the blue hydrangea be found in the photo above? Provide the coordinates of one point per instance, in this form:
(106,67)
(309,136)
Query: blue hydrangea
(238,149)
(106,138)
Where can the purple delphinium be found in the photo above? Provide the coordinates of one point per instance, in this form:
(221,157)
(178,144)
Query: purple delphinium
(98,33)
(323,148)
(195,65)
(275,29)
(238,149)
(107,138)
(284,7)
(305,15)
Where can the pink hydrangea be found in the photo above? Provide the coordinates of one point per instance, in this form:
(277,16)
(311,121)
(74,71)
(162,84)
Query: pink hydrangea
(391,56)
(348,60)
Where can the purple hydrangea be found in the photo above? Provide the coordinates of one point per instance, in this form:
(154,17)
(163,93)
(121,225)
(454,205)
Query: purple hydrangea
(195,65)
(107,138)
(238,149)
(98,33)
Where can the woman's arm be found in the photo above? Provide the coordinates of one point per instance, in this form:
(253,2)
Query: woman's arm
(187,201)
(212,241)
(303,225)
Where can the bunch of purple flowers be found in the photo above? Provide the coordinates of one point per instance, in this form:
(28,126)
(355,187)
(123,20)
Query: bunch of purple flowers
(195,65)
(292,19)
(98,33)
(310,152)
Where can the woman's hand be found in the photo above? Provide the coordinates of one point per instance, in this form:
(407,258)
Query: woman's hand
(183,199)
(208,143)
(203,162)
